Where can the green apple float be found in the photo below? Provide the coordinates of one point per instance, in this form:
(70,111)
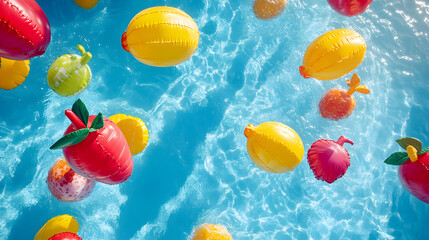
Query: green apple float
(69,75)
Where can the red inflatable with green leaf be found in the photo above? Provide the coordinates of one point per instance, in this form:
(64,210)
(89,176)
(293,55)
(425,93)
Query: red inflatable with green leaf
(414,167)
(95,147)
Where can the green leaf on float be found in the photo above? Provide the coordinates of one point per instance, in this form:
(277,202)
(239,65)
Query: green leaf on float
(97,123)
(409,141)
(398,158)
(81,112)
(425,150)
(71,139)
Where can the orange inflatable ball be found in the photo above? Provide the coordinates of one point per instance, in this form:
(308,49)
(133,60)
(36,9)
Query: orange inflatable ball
(209,231)
(267,9)
(339,104)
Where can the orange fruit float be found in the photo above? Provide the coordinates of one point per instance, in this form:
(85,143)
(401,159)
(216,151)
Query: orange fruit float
(209,231)
(338,104)
(66,185)
(268,9)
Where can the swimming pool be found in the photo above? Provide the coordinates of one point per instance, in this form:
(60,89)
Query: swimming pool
(196,168)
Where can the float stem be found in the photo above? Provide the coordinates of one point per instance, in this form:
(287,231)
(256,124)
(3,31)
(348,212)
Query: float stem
(343,140)
(74,119)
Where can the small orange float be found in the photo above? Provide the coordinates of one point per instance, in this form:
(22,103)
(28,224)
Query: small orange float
(338,104)
(268,9)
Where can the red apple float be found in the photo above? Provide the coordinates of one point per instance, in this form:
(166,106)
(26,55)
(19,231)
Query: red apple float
(350,8)
(66,185)
(328,159)
(65,236)
(413,169)
(95,147)
(24,29)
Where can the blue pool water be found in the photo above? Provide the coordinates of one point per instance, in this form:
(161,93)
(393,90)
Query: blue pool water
(196,168)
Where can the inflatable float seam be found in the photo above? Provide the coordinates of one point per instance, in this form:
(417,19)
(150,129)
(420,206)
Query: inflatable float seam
(174,42)
(119,170)
(324,40)
(27,20)
(265,165)
(334,49)
(344,59)
(18,33)
(159,11)
(162,23)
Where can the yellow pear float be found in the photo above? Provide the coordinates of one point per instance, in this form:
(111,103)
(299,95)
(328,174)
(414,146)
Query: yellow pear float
(333,55)
(274,147)
(13,73)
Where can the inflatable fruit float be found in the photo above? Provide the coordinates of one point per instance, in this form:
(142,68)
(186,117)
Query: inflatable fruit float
(333,55)
(13,73)
(338,104)
(66,185)
(134,130)
(268,9)
(69,75)
(349,8)
(86,4)
(209,231)
(328,159)
(24,29)
(413,169)
(58,224)
(161,36)
(274,147)
(65,236)
(95,147)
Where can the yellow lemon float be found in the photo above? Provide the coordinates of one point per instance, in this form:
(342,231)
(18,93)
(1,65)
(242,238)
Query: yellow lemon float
(13,73)
(333,55)
(161,36)
(274,147)
(267,9)
(58,224)
(134,130)
(209,231)
(86,4)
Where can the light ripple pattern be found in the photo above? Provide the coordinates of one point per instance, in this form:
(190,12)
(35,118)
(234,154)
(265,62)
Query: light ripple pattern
(196,168)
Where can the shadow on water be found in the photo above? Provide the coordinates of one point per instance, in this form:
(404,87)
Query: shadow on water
(21,176)
(175,162)
(410,214)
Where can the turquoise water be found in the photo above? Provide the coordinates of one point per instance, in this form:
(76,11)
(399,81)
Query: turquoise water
(196,168)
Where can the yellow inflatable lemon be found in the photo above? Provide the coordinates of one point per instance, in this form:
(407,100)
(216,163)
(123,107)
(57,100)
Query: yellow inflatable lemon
(13,73)
(267,9)
(134,130)
(333,55)
(58,224)
(86,4)
(209,231)
(161,36)
(274,147)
